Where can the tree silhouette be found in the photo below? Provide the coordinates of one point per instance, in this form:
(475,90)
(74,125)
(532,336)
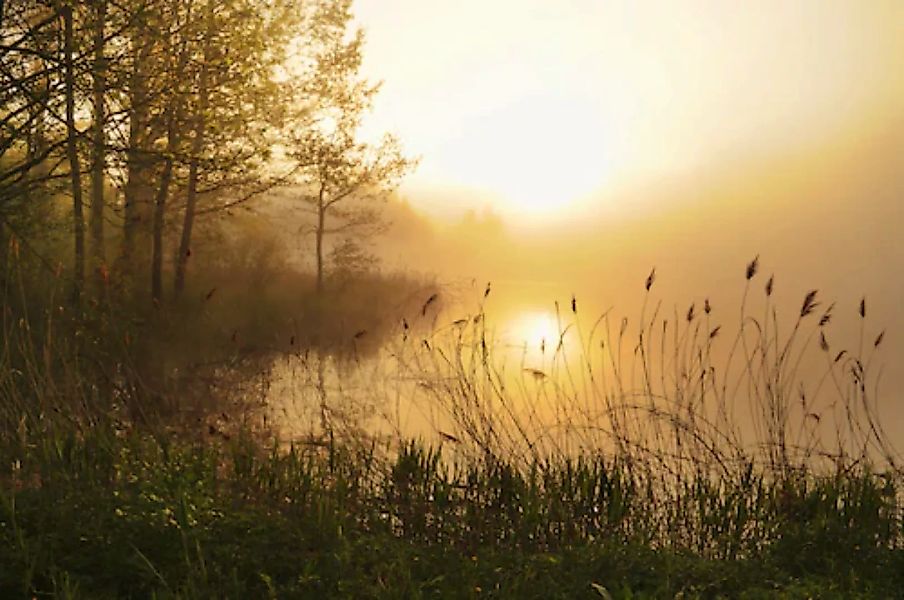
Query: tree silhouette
(344,179)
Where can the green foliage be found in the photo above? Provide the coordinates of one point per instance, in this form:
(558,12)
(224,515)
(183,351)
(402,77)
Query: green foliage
(103,515)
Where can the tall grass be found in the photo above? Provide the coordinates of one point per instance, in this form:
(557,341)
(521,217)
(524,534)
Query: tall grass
(667,455)
(680,391)
(101,515)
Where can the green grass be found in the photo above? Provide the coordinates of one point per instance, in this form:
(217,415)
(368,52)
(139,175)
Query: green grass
(107,516)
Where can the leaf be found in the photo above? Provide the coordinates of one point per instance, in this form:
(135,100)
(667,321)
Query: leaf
(601,590)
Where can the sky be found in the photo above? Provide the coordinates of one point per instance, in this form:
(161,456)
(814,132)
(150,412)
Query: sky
(535,108)
(611,136)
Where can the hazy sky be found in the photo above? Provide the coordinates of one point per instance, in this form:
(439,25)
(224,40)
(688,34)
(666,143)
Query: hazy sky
(539,103)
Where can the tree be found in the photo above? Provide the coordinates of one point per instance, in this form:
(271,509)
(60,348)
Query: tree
(234,115)
(178,55)
(183,102)
(343,178)
(99,138)
(37,61)
(29,103)
(74,162)
(198,91)
(197,147)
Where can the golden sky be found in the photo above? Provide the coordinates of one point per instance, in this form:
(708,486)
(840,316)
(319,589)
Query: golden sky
(533,106)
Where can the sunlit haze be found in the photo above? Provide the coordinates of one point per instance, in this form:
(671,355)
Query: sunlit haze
(537,107)
(567,147)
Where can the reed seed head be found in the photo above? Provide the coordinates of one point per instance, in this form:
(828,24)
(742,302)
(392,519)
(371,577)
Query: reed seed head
(752,267)
(809,304)
(826,316)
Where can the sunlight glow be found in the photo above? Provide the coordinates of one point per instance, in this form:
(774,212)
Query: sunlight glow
(538,156)
(537,330)
(540,108)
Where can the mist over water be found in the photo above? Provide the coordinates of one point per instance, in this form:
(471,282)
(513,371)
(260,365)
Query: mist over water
(820,217)
(823,220)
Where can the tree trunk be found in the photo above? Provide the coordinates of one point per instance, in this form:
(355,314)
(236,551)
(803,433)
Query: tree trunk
(157,245)
(4,248)
(160,204)
(37,146)
(74,166)
(321,221)
(173,121)
(197,146)
(139,167)
(99,149)
(188,222)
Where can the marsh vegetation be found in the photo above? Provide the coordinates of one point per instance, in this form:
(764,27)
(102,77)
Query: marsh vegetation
(236,361)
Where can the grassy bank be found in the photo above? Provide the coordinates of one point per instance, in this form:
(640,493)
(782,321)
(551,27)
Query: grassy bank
(109,515)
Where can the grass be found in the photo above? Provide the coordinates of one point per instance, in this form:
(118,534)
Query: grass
(112,516)
(621,465)
(683,390)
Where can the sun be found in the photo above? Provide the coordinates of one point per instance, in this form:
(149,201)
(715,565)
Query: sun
(540,157)
(536,330)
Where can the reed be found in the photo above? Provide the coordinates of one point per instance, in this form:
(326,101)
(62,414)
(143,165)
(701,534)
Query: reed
(683,390)
(662,456)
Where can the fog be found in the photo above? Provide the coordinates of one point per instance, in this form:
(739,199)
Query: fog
(822,216)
